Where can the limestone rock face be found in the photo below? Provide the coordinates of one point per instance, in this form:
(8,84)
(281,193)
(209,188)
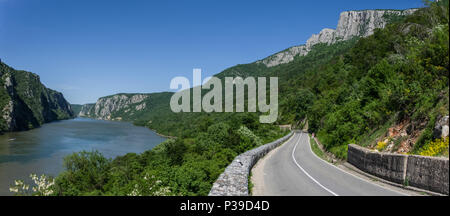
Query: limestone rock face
(285,56)
(327,36)
(86,110)
(364,23)
(107,107)
(351,24)
(441,128)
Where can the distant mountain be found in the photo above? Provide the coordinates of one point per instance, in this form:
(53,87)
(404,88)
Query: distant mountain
(107,107)
(126,107)
(76,108)
(25,103)
(86,109)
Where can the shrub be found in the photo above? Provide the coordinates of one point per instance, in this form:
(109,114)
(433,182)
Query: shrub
(381,145)
(435,148)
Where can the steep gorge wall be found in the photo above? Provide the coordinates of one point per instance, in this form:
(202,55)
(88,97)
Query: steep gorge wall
(25,103)
(86,110)
(115,107)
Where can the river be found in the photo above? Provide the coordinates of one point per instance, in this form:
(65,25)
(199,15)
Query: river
(42,150)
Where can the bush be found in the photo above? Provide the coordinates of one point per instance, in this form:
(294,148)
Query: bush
(85,171)
(438,147)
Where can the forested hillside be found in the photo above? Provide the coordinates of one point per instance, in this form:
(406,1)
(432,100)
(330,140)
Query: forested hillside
(399,75)
(25,103)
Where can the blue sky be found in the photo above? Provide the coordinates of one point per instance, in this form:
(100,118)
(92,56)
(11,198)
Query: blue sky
(88,49)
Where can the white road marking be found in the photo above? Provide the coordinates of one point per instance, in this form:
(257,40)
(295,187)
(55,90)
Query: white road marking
(307,174)
(332,165)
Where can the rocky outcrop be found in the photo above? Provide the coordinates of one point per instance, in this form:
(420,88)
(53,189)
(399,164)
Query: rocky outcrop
(351,24)
(26,103)
(86,110)
(441,128)
(285,56)
(115,107)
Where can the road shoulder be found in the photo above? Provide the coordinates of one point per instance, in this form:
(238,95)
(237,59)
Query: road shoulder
(257,172)
(349,169)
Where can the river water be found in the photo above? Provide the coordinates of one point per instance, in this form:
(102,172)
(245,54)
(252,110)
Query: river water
(41,150)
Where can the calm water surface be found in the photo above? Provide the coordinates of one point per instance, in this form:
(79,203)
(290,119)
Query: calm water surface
(42,150)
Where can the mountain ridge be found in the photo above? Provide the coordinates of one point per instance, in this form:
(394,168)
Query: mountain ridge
(361,23)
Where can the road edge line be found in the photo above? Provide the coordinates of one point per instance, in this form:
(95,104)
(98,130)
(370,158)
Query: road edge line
(258,163)
(304,171)
(348,173)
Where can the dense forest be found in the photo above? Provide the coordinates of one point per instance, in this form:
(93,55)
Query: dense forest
(348,92)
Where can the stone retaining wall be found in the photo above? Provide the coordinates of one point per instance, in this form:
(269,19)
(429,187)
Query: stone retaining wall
(234,180)
(429,173)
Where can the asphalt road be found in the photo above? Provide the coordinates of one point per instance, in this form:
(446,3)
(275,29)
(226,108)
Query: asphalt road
(294,170)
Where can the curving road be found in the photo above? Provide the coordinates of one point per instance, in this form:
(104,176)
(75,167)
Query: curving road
(294,170)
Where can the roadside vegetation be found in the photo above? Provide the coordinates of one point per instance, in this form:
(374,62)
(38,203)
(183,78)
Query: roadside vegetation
(438,147)
(316,149)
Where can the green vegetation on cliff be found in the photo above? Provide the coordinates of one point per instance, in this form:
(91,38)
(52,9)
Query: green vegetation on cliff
(25,103)
(400,73)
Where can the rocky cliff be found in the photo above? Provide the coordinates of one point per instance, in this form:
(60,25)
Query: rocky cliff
(115,107)
(25,103)
(351,24)
(86,110)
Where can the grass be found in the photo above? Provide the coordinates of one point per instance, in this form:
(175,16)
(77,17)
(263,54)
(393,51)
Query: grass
(370,139)
(250,184)
(315,148)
